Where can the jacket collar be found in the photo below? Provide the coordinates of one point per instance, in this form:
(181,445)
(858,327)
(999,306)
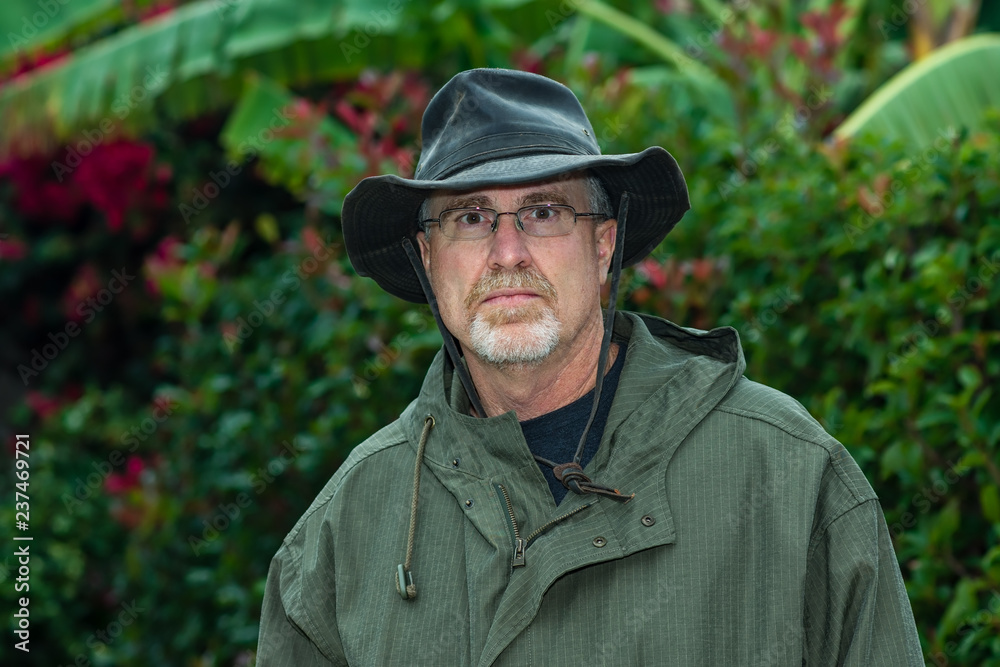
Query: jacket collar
(673,377)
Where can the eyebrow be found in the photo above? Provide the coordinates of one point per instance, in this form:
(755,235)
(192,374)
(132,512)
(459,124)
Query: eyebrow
(544,197)
(482,201)
(468,201)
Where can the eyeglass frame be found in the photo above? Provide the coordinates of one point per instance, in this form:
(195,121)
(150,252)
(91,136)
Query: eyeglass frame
(517,218)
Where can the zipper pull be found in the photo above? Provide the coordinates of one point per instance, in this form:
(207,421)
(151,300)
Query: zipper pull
(519,546)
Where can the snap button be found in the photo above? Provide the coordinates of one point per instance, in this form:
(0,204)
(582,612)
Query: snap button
(599,541)
(455,462)
(468,503)
(647,520)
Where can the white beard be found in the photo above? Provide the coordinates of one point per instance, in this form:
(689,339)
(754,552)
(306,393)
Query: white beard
(513,342)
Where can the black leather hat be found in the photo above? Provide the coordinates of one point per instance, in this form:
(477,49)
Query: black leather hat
(490,127)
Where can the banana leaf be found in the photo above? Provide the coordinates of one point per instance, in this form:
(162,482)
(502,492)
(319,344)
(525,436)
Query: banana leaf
(30,24)
(951,88)
(192,60)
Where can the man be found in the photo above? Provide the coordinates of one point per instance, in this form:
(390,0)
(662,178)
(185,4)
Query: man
(570,488)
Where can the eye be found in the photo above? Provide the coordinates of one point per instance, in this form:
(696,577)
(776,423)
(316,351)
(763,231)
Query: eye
(470,218)
(543,213)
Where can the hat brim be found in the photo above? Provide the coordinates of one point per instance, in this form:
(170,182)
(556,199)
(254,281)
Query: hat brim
(382,210)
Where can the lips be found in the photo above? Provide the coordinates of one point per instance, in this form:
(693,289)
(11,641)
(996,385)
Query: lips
(510,288)
(509,297)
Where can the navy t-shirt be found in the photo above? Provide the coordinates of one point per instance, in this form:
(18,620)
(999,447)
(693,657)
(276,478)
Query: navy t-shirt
(555,435)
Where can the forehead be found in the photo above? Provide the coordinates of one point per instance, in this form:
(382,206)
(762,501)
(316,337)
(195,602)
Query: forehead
(571,191)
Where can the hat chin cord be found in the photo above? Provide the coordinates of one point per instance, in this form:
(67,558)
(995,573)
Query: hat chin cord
(449,340)
(570,474)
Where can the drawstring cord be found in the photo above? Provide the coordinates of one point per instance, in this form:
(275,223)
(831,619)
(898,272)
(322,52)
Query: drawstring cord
(404,577)
(449,341)
(571,474)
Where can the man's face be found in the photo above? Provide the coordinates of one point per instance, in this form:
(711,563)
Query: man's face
(515,299)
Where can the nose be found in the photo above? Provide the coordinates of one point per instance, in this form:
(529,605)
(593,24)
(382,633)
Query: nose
(508,247)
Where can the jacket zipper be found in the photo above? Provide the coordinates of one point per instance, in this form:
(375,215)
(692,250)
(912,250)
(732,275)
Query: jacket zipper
(521,544)
(515,532)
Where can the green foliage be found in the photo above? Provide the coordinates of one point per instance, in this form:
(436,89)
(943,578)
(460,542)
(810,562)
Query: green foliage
(190,420)
(173,483)
(865,281)
(29,23)
(960,81)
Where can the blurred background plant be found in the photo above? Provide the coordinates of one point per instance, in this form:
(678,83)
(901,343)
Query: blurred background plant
(193,355)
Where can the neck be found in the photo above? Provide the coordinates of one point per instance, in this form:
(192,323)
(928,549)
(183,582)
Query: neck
(537,389)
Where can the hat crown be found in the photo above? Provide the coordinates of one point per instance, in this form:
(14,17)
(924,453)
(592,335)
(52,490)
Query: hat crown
(489,114)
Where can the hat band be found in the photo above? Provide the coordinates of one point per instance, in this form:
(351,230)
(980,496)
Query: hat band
(485,149)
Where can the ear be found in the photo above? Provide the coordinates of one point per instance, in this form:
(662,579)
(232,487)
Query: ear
(425,250)
(604,236)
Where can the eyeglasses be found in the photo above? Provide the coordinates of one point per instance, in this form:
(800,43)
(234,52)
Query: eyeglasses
(473,223)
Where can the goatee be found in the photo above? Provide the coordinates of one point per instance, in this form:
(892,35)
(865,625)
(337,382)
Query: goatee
(517,335)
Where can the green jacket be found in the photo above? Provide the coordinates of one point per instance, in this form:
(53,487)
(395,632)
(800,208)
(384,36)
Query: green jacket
(753,537)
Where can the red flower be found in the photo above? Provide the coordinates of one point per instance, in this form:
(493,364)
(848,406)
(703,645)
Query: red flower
(826,25)
(527,61)
(164,260)
(84,285)
(40,195)
(43,406)
(12,249)
(121,482)
(801,48)
(702,269)
(30,62)
(156,10)
(673,6)
(762,41)
(357,121)
(113,177)
(654,273)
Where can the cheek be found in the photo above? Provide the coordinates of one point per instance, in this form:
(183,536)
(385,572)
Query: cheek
(451,283)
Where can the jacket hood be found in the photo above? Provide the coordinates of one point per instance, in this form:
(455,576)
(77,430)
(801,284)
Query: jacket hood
(674,373)
(672,379)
